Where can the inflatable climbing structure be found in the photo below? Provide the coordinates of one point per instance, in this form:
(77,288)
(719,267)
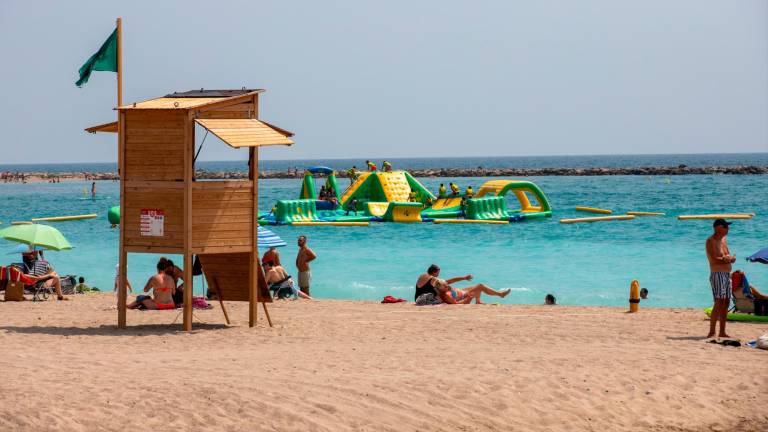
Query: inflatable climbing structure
(396,196)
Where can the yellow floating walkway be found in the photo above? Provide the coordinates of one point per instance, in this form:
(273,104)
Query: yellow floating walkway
(21,223)
(64,218)
(593,210)
(470,221)
(330,223)
(717,216)
(645,213)
(597,219)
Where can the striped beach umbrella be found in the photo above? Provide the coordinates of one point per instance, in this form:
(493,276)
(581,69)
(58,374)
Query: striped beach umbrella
(269,239)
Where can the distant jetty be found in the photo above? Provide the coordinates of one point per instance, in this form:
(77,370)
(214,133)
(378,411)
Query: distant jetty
(519,172)
(37,177)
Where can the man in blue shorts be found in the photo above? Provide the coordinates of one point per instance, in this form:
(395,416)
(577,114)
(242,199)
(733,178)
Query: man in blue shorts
(720,260)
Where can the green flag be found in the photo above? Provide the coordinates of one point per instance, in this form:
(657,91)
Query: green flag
(105,59)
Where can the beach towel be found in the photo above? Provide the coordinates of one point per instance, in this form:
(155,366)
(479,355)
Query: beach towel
(200,303)
(390,299)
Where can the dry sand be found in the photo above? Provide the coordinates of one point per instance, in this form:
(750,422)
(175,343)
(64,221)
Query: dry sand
(343,365)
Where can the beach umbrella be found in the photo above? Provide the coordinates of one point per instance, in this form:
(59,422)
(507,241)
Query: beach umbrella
(760,256)
(269,239)
(36,235)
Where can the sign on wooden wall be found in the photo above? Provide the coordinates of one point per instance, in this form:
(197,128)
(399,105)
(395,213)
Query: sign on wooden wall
(152,221)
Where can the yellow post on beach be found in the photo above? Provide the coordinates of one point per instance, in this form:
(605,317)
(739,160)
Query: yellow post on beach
(634,296)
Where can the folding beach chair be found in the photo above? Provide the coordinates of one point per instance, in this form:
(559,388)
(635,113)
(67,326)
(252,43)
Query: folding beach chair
(743,300)
(13,273)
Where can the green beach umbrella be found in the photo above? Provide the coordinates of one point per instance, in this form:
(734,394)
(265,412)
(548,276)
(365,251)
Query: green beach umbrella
(37,235)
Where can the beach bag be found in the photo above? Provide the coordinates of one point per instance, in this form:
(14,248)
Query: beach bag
(762,342)
(68,284)
(427,299)
(14,289)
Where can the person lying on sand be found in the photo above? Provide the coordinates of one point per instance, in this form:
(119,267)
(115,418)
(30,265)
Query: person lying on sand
(451,295)
(164,288)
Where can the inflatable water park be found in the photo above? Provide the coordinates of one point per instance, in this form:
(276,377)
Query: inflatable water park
(396,196)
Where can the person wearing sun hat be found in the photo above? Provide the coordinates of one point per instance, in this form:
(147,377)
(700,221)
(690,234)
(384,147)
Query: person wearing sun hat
(720,260)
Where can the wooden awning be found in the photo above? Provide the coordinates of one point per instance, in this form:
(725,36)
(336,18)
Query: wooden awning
(246,132)
(106,127)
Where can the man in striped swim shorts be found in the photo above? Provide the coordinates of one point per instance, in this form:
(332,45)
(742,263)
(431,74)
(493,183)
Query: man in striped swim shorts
(720,260)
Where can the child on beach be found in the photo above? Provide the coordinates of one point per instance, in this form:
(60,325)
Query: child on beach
(81,287)
(117,276)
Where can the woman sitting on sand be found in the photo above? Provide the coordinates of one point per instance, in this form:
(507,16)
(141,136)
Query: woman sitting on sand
(177,274)
(164,287)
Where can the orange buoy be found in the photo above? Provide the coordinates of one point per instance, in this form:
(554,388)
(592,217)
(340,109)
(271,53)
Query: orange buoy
(634,296)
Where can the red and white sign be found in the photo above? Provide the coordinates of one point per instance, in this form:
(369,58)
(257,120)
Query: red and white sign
(152,221)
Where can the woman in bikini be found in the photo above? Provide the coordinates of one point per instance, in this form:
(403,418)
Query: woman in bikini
(177,274)
(451,295)
(163,286)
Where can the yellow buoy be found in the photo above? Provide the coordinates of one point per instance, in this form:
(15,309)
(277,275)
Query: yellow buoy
(320,223)
(634,296)
(717,216)
(470,221)
(593,210)
(644,213)
(597,219)
(64,218)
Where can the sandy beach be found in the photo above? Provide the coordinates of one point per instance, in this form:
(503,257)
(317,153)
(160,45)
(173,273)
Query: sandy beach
(346,365)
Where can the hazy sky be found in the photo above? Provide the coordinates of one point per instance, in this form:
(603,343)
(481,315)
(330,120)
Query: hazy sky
(402,78)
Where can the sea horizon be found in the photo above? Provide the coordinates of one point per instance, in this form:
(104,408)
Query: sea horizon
(544,161)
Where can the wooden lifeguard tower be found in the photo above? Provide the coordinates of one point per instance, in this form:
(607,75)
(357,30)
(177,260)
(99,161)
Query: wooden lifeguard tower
(164,210)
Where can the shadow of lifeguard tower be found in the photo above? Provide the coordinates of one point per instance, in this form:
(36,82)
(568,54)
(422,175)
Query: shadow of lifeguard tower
(164,210)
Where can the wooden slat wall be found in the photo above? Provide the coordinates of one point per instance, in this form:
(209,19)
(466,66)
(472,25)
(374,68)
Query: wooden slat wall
(230,273)
(154,145)
(168,198)
(239,111)
(222,216)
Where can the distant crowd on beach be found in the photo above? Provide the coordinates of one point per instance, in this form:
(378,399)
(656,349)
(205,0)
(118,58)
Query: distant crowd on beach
(13,177)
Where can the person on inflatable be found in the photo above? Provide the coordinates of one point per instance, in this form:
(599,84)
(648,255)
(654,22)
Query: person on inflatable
(441,191)
(454,188)
(371,166)
(352,173)
(386,166)
(469,192)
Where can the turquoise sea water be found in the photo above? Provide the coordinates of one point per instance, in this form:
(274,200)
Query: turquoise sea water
(582,264)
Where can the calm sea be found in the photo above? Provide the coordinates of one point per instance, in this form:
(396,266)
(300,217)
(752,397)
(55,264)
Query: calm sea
(581,264)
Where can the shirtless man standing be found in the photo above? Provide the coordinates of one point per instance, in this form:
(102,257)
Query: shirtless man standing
(303,258)
(720,260)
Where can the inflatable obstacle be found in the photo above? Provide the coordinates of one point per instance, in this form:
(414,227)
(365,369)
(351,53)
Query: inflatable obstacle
(743,317)
(113,215)
(65,218)
(290,211)
(487,208)
(396,196)
(593,210)
(597,219)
